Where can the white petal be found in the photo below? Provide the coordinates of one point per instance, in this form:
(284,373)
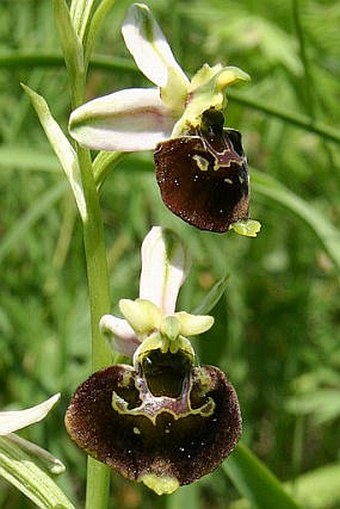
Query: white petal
(148,46)
(128,120)
(124,339)
(165,266)
(14,420)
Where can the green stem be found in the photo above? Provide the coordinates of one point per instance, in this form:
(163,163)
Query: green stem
(72,27)
(97,273)
(98,474)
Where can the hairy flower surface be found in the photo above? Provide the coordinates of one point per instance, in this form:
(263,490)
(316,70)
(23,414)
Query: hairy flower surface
(172,119)
(163,421)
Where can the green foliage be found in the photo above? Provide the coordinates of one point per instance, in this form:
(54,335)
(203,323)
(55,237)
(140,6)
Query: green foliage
(277,321)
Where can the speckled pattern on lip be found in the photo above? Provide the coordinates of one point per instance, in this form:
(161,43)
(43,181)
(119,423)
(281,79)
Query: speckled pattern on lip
(203,177)
(183,445)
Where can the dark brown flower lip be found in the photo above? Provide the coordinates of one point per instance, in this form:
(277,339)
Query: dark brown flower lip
(177,445)
(203,178)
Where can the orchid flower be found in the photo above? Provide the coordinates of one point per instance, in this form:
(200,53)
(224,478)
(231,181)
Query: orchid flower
(200,166)
(162,421)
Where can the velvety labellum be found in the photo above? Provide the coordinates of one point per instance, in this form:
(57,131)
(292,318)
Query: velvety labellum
(173,428)
(203,177)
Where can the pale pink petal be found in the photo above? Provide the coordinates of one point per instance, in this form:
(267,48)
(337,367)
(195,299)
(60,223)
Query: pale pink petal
(122,335)
(128,120)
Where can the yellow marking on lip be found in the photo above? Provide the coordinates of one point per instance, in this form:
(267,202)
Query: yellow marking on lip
(202,163)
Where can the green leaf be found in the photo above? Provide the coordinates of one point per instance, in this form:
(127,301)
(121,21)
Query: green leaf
(212,298)
(255,482)
(328,235)
(17,468)
(62,147)
(318,489)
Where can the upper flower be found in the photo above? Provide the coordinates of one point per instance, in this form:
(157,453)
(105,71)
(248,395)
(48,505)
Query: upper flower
(201,168)
(139,118)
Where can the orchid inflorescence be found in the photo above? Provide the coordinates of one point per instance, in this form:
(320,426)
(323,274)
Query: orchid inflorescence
(164,420)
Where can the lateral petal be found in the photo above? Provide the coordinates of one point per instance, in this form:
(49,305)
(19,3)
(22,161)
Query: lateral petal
(121,334)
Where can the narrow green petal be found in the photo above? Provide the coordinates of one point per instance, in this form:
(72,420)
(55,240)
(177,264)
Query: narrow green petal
(143,316)
(192,325)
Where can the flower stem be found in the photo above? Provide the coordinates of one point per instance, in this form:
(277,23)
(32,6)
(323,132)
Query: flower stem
(71,25)
(95,253)
(98,475)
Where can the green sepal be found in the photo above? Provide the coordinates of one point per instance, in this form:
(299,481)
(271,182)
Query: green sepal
(41,457)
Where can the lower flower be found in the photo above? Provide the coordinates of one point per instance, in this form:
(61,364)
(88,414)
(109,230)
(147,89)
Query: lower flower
(162,422)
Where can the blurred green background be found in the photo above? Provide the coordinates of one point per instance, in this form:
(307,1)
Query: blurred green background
(277,325)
